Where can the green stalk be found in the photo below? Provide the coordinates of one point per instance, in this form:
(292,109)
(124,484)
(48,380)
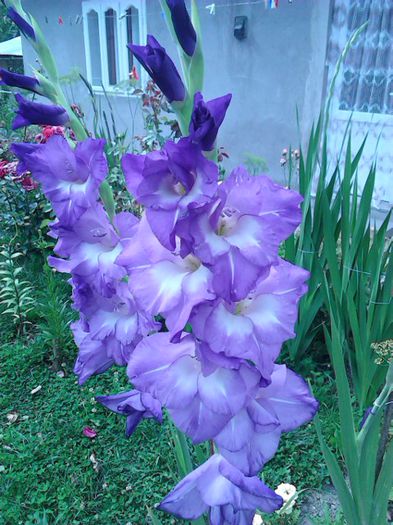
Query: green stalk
(378,405)
(192,67)
(183,458)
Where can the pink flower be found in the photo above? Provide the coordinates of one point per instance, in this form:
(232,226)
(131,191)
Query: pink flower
(134,73)
(60,20)
(7,168)
(3,168)
(89,432)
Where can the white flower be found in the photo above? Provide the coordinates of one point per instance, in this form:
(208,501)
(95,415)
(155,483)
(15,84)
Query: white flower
(257,520)
(289,494)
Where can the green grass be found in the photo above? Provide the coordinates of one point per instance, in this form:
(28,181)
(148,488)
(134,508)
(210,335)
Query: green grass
(46,457)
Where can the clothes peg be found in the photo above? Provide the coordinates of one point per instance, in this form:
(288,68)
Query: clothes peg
(211,8)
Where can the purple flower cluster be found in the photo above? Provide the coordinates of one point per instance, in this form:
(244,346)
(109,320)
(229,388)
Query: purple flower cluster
(204,257)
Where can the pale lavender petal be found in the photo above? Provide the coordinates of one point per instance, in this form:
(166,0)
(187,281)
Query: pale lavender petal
(217,484)
(288,397)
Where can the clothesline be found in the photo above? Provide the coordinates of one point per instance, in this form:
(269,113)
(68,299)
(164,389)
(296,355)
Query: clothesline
(211,7)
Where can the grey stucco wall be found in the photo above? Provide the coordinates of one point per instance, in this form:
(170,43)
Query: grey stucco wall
(278,67)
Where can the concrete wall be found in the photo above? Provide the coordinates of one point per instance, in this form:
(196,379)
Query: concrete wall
(278,67)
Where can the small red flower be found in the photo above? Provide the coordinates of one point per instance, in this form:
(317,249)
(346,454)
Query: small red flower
(48,132)
(134,73)
(89,432)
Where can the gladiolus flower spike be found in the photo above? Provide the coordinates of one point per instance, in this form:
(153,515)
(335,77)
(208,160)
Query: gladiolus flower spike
(202,255)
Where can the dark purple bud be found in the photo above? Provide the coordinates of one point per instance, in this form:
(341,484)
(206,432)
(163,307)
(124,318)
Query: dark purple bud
(182,25)
(160,67)
(40,114)
(206,119)
(8,78)
(23,25)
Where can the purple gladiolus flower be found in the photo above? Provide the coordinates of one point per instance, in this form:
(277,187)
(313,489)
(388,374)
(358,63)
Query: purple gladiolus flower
(162,282)
(70,178)
(8,78)
(168,183)
(29,113)
(93,357)
(220,489)
(92,246)
(160,67)
(251,438)
(23,25)
(182,25)
(238,234)
(108,331)
(200,401)
(255,327)
(134,405)
(206,119)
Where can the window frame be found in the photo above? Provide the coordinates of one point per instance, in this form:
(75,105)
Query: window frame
(120,7)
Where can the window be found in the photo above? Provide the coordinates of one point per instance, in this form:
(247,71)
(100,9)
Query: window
(110,25)
(132,32)
(94,43)
(366,83)
(364,89)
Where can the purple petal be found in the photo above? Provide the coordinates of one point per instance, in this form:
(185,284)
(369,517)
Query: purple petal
(152,358)
(29,113)
(198,422)
(23,25)
(160,67)
(89,432)
(218,486)
(263,197)
(288,397)
(273,307)
(132,166)
(114,401)
(251,458)
(21,81)
(206,119)
(133,404)
(182,25)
